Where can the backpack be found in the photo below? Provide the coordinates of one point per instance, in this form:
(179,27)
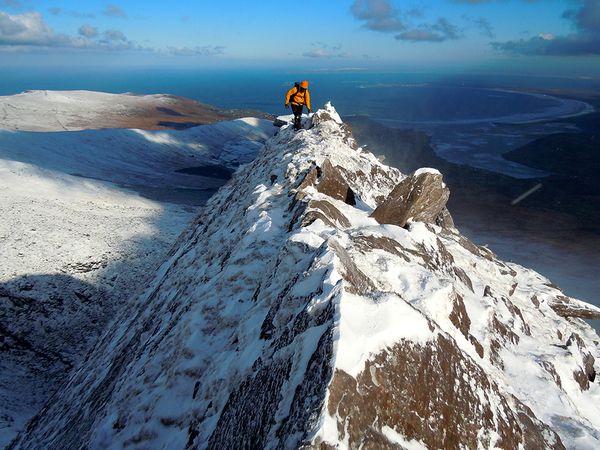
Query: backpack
(297,86)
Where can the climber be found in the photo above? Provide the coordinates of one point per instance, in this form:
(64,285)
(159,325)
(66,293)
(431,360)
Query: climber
(298,96)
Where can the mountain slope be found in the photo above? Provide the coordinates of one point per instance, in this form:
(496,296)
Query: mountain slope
(84,110)
(288,316)
(77,240)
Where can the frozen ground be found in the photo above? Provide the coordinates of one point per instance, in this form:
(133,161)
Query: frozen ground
(85,217)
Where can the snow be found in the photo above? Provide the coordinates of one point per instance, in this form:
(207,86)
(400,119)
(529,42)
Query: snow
(424,170)
(248,294)
(93,212)
(397,438)
(49,111)
(137,157)
(369,326)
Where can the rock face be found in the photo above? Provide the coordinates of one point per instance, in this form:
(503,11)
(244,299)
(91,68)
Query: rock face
(567,307)
(289,318)
(471,409)
(421,196)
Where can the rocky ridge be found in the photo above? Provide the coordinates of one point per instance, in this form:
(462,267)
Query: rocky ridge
(325,300)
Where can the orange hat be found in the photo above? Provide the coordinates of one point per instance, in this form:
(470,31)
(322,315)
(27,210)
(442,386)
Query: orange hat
(304,84)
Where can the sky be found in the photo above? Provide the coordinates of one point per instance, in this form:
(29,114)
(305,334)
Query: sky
(559,37)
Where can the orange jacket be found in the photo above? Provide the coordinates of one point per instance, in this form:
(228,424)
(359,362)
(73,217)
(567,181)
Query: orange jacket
(296,97)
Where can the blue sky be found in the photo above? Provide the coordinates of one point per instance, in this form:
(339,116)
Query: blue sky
(538,35)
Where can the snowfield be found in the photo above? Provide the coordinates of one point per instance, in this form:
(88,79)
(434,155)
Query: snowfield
(86,217)
(82,110)
(287,316)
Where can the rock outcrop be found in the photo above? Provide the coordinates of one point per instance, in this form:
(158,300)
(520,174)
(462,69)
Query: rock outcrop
(421,196)
(287,317)
(568,307)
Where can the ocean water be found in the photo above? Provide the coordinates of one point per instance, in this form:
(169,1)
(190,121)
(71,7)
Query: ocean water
(402,97)
(471,120)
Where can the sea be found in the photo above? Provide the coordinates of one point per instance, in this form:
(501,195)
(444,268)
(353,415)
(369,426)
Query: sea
(472,120)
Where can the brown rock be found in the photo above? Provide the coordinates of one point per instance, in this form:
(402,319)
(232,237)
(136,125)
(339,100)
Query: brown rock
(477,345)
(310,179)
(409,395)
(348,137)
(587,373)
(320,117)
(459,317)
(366,243)
(565,307)
(462,276)
(588,362)
(333,184)
(323,209)
(421,197)
(444,219)
(549,367)
(582,379)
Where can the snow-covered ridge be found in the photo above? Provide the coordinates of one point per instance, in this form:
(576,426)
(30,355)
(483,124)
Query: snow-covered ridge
(80,110)
(288,315)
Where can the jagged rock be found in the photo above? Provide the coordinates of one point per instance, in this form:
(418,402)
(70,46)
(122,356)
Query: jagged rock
(587,373)
(472,417)
(459,316)
(310,179)
(333,184)
(566,307)
(421,197)
(327,212)
(444,219)
(279,123)
(328,180)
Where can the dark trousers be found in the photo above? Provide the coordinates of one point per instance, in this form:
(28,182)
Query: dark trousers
(297,110)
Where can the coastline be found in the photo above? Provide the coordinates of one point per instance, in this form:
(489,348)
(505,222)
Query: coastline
(482,143)
(585,108)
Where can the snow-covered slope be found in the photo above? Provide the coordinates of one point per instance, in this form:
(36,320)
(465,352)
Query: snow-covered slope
(76,239)
(141,158)
(288,316)
(81,110)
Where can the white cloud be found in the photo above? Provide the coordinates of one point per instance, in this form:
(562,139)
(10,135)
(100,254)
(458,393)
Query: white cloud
(30,29)
(321,50)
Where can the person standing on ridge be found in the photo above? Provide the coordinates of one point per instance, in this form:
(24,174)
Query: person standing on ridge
(298,96)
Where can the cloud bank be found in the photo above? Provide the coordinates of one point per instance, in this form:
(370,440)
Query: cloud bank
(27,31)
(378,15)
(584,41)
(383,16)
